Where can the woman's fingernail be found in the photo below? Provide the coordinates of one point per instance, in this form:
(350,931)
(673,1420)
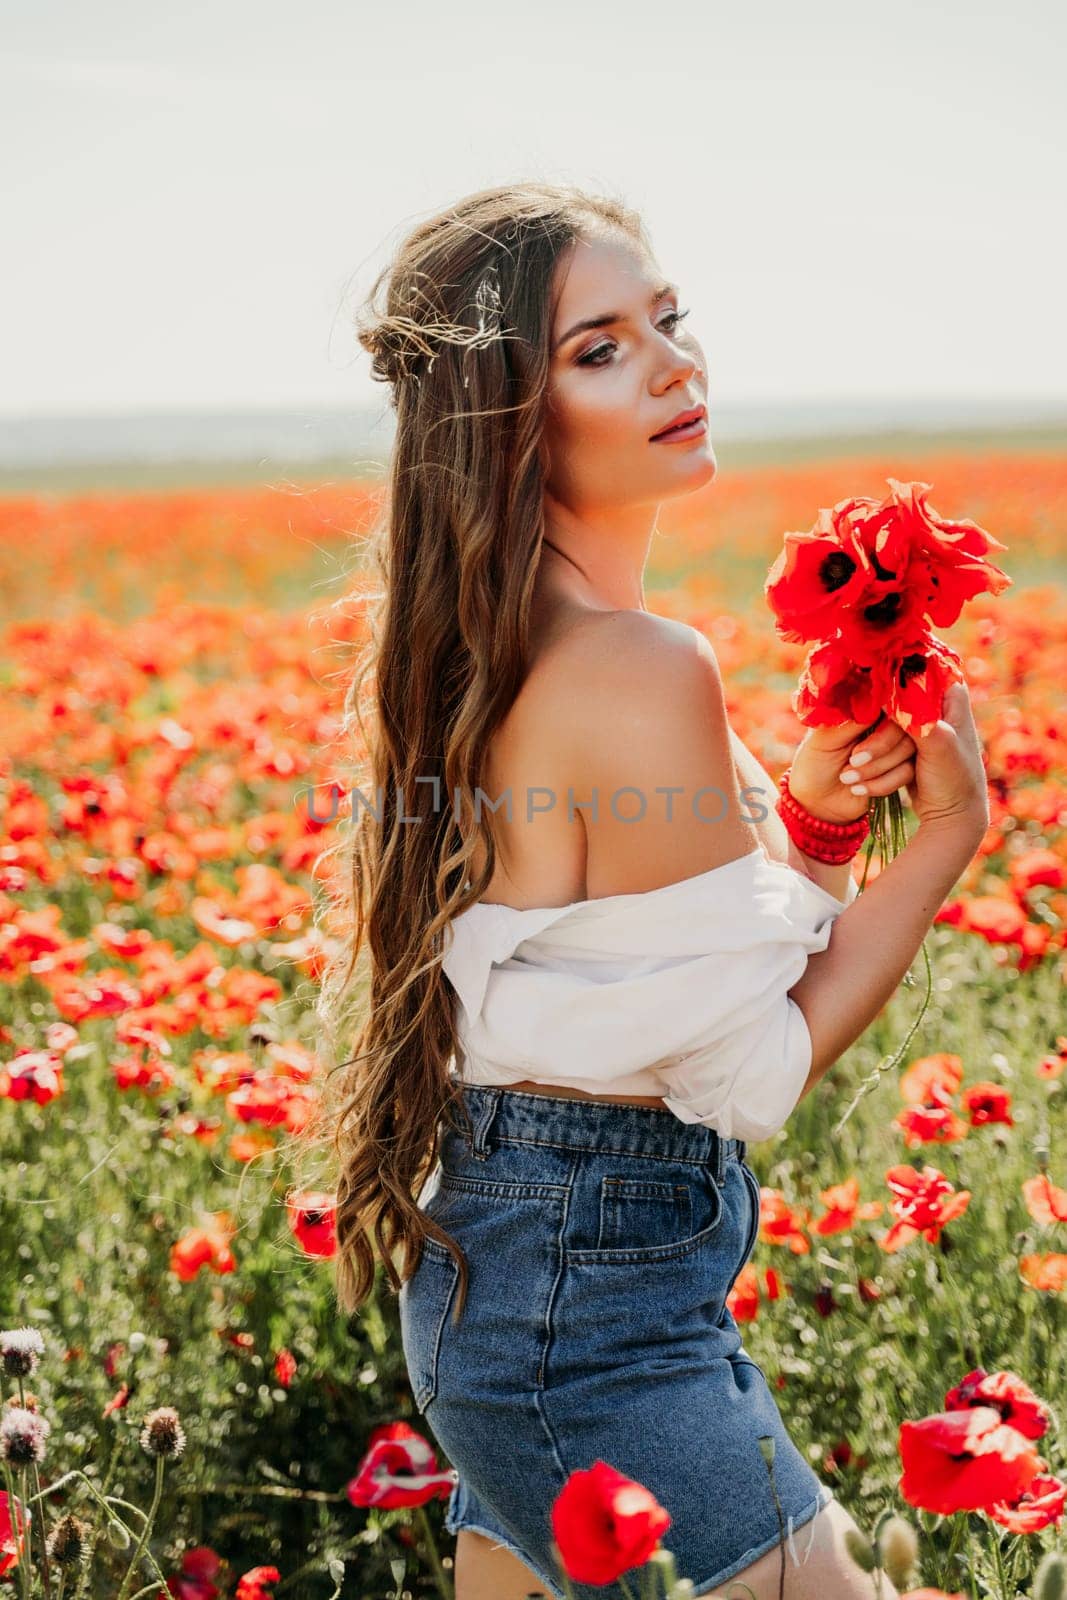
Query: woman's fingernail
(861,757)
(859,788)
(848,775)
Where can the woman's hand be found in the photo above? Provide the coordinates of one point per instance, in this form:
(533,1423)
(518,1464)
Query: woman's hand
(831,762)
(950,787)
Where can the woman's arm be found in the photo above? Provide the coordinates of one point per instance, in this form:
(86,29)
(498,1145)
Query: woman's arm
(653,713)
(874,940)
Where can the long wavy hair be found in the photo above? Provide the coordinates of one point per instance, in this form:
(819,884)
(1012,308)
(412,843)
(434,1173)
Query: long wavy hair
(459,325)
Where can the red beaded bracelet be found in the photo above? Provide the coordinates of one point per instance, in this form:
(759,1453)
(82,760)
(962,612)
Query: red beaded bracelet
(832,842)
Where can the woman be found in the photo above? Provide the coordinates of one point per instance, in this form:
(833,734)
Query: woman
(627,999)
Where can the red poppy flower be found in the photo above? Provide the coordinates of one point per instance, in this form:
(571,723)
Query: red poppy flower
(118,1400)
(817,573)
(930,1125)
(32,1075)
(1036,867)
(1006,1393)
(1045,1202)
(251,1584)
(833,688)
(987,1102)
(1052,1065)
(923,1203)
(1037,1507)
(947,558)
(964,1461)
(931,1080)
(194,1581)
(781,1223)
(883,558)
(398,1468)
(1047,1271)
(743,1301)
(313,1219)
(866,584)
(921,674)
(16,1525)
(202,1247)
(285,1367)
(843,1208)
(605,1523)
(841,1456)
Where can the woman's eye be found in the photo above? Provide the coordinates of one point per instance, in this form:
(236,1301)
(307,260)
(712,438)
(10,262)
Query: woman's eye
(677,316)
(589,359)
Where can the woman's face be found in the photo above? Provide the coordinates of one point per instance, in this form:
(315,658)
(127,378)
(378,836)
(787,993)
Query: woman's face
(611,388)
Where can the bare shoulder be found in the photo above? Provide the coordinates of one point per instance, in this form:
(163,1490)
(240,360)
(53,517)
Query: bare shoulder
(634,705)
(608,673)
(611,649)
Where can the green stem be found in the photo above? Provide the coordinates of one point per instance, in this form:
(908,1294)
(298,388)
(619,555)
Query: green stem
(42,1535)
(101,1494)
(945,1575)
(58,1484)
(348,1547)
(40,1519)
(18,1523)
(441,1577)
(145,1531)
(280,1491)
(1002,1577)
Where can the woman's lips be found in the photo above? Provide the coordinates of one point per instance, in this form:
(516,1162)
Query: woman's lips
(692,430)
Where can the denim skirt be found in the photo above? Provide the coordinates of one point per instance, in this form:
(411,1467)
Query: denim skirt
(601,1241)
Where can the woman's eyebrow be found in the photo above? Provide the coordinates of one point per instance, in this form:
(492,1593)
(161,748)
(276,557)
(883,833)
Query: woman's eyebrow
(612,316)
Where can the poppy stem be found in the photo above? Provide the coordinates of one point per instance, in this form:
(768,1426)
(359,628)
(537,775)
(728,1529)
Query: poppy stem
(21,1526)
(1002,1577)
(146,1530)
(945,1576)
(441,1577)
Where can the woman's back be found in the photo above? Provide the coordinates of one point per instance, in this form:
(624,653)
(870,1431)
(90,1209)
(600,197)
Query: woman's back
(619,712)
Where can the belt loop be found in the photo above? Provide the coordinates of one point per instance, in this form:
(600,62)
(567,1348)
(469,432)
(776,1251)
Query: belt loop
(480,1146)
(719,1153)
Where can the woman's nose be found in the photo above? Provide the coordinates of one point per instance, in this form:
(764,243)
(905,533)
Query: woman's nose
(680,366)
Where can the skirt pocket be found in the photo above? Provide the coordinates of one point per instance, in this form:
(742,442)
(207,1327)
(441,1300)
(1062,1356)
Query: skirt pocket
(636,1213)
(424,1301)
(642,1221)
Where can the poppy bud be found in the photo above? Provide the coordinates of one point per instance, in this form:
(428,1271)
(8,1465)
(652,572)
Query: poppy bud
(861,1550)
(1050,1579)
(899,1549)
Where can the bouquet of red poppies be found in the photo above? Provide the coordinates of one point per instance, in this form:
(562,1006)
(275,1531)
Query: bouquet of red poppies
(865,587)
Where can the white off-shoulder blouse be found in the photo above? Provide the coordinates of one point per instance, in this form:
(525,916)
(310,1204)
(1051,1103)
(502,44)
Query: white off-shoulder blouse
(679,992)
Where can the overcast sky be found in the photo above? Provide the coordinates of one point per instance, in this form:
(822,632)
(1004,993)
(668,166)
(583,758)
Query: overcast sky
(856,199)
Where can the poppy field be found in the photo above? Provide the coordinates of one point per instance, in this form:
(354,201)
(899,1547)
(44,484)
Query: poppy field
(182,1409)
